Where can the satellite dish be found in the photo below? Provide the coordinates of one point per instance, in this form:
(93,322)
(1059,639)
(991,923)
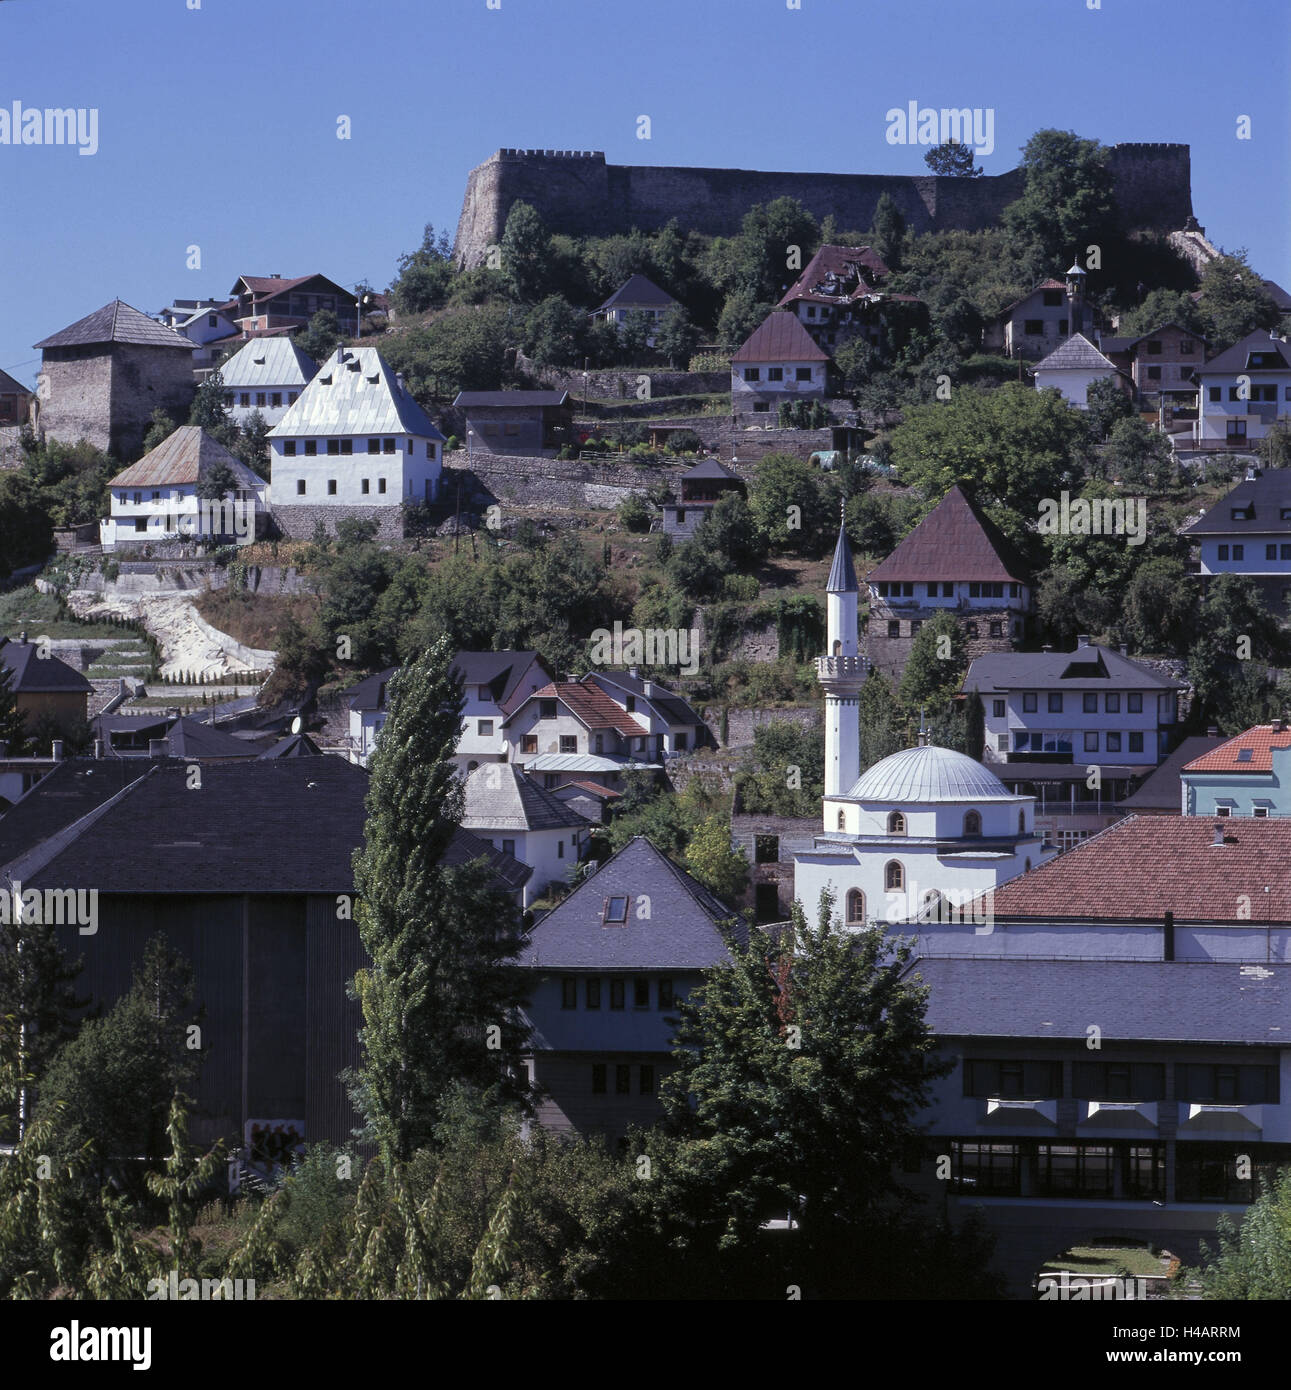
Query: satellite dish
(295,725)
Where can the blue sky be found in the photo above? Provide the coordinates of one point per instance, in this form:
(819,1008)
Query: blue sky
(217,126)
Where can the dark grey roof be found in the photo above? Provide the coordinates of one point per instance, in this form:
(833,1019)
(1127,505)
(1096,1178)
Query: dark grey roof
(33,674)
(520,399)
(1033,770)
(1183,1001)
(71,790)
(1116,344)
(1087,668)
(293,746)
(8,386)
(1162,791)
(711,468)
(498,796)
(502,672)
(1237,357)
(368,693)
(673,707)
(636,290)
(842,573)
(680,933)
(1261,500)
(508,872)
(1076,354)
(192,738)
(116,323)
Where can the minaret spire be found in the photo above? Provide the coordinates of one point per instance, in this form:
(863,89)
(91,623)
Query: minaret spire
(841,671)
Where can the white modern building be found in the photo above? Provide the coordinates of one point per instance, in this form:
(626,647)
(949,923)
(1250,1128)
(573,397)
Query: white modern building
(355,438)
(157,499)
(1243,392)
(206,322)
(265,375)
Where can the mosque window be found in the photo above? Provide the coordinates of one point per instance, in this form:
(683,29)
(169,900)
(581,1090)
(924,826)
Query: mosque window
(855,908)
(894,877)
(972,823)
(842,820)
(1022,822)
(896,823)
(932,908)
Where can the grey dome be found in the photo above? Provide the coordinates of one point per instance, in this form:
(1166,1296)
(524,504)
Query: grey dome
(929,775)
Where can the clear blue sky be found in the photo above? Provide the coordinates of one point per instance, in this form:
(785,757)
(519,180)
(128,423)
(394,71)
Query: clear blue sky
(217,126)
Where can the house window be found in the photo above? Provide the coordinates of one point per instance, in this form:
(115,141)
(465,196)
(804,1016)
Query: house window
(140,524)
(997,629)
(1134,704)
(622,1079)
(752,373)
(381,484)
(1055,703)
(598,1078)
(1091,743)
(228,401)
(1022,822)
(616,994)
(761,407)
(855,908)
(1154,347)
(569,743)
(1285,553)
(211,321)
(244,399)
(803,373)
(260,398)
(1012,1080)
(894,627)
(987,1168)
(300,487)
(1222,552)
(997,709)
(311,448)
(665,994)
(485,728)
(1185,347)
(600,743)
(569,993)
(630,704)
(275,400)
(365,486)
(560,849)
(1239,552)
(1033,328)
(334,447)
(374,446)
(766,849)
(387,446)
(1113,743)
(1154,373)
(1236,430)
(289,448)
(896,823)
(509,847)
(615,911)
(347,446)
(1260,812)
(775,373)
(972,824)
(894,877)
(641,992)
(1136,743)
(546,709)
(679,742)
(1112,704)
(331,487)
(291,397)
(1029,702)
(1214,393)
(646,1080)
(1226,1084)
(1089,704)
(529,743)
(842,820)
(593,988)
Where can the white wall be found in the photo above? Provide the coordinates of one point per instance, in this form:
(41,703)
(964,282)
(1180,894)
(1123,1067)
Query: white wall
(410,473)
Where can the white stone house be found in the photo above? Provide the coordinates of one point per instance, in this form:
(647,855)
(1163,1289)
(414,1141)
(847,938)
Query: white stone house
(494,684)
(672,726)
(573,729)
(637,295)
(265,375)
(1243,392)
(355,438)
(779,362)
(1073,368)
(157,498)
(206,322)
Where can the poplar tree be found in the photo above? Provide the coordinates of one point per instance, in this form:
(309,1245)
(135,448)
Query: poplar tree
(440,999)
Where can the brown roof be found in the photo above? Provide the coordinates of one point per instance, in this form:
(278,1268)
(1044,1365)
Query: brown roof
(1050,284)
(186,456)
(780,338)
(1145,866)
(1258,745)
(590,705)
(849,265)
(955,541)
(8,386)
(594,789)
(117,323)
(267,287)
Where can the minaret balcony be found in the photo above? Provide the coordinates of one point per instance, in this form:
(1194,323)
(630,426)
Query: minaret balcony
(845,668)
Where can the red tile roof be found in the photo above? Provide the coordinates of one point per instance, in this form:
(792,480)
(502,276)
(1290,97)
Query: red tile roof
(1259,743)
(595,788)
(780,338)
(955,541)
(591,706)
(1145,866)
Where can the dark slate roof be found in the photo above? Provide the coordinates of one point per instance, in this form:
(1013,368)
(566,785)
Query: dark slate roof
(293,746)
(1237,357)
(502,672)
(1163,790)
(1175,1001)
(956,540)
(1280,297)
(1076,354)
(367,694)
(711,468)
(672,707)
(33,675)
(780,338)
(117,323)
(528,400)
(508,872)
(516,802)
(635,291)
(8,386)
(192,738)
(1087,668)
(71,790)
(842,573)
(1260,500)
(681,932)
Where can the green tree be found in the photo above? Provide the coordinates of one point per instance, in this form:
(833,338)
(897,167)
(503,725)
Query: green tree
(424,276)
(1105,404)
(675,337)
(887,231)
(793,505)
(881,723)
(953,159)
(208,409)
(1068,201)
(741,315)
(524,249)
(1253,1259)
(776,239)
(322,337)
(1066,605)
(1160,613)
(1139,455)
(730,536)
(718,864)
(783,774)
(439,937)
(1159,307)
(635,331)
(937,663)
(252,445)
(1274,450)
(1233,627)
(555,333)
(1234,302)
(13,722)
(635,513)
(160,428)
(218,481)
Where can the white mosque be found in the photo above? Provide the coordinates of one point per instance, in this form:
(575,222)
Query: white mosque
(924,833)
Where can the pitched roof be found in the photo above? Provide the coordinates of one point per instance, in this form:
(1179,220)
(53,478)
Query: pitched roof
(956,540)
(268,362)
(37,675)
(1237,357)
(1260,503)
(1076,354)
(711,468)
(589,704)
(673,707)
(1087,668)
(69,791)
(370,693)
(192,738)
(637,290)
(116,323)
(502,672)
(1144,866)
(680,931)
(498,796)
(185,457)
(8,386)
(355,392)
(1279,296)
(266,287)
(1049,284)
(508,872)
(1250,751)
(293,746)
(520,400)
(1160,328)
(1162,789)
(780,338)
(1174,1001)
(842,573)
(851,266)
(592,789)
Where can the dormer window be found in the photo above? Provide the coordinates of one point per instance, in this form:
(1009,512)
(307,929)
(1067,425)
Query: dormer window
(615,912)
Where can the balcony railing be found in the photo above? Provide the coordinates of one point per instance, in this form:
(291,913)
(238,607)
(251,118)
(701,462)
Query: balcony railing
(827,666)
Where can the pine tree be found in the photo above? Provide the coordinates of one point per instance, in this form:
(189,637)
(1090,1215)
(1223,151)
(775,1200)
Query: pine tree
(888,231)
(439,937)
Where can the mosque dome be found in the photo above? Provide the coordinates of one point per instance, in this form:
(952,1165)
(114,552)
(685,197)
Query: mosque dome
(929,774)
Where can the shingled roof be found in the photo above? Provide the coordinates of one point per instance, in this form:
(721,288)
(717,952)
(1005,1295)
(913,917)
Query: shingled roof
(37,675)
(501,672)
(10,387)
(780,338)
(498,796)
(1250,751)
(679,932)
(636,291)
(1089,667)
(1257,506)
(185,458)
(955,541)
(589,704)
(1145,866)
(1077,354)
(116,323)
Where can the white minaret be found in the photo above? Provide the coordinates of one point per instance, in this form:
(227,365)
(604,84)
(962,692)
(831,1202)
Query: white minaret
(841,672)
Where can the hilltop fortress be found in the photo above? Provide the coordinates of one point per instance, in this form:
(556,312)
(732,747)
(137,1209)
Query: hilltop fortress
(577,192)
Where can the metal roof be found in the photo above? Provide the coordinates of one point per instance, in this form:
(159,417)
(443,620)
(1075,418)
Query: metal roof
(498,796)
(587,762)
(116,323)
(355,392)
(842,573)
(268,362)
(185,457)
(520,400)
(929,775)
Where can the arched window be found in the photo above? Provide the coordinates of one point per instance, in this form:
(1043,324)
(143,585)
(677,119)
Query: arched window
(894,877)
(932,906)
(838,648)
(856,908)
(896,823)
(842,820)
(1022,822)
(972,823)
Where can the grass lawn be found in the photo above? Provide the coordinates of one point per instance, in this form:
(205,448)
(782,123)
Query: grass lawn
(1106,1259)
(28,610)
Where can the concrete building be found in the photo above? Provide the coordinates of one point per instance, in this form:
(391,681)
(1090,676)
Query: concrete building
(673,727)
(265,375)
(515,422)
(1248,532)
(1249,775)
(44,688)
(158,499)
(207,323)
(778,363)
(269,303)
(102,377)
(1243,392)
(1032,326)
(572,730)
(636,295)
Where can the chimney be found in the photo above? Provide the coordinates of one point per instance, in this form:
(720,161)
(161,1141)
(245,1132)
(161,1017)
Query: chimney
(1219,835)
(22,637)
(1167,943)
(1082,640)
(1125,651)
(98,747)
(1278,726)
(56,749)
(398,381)
(632,671)
(158,747)
(1213,731)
